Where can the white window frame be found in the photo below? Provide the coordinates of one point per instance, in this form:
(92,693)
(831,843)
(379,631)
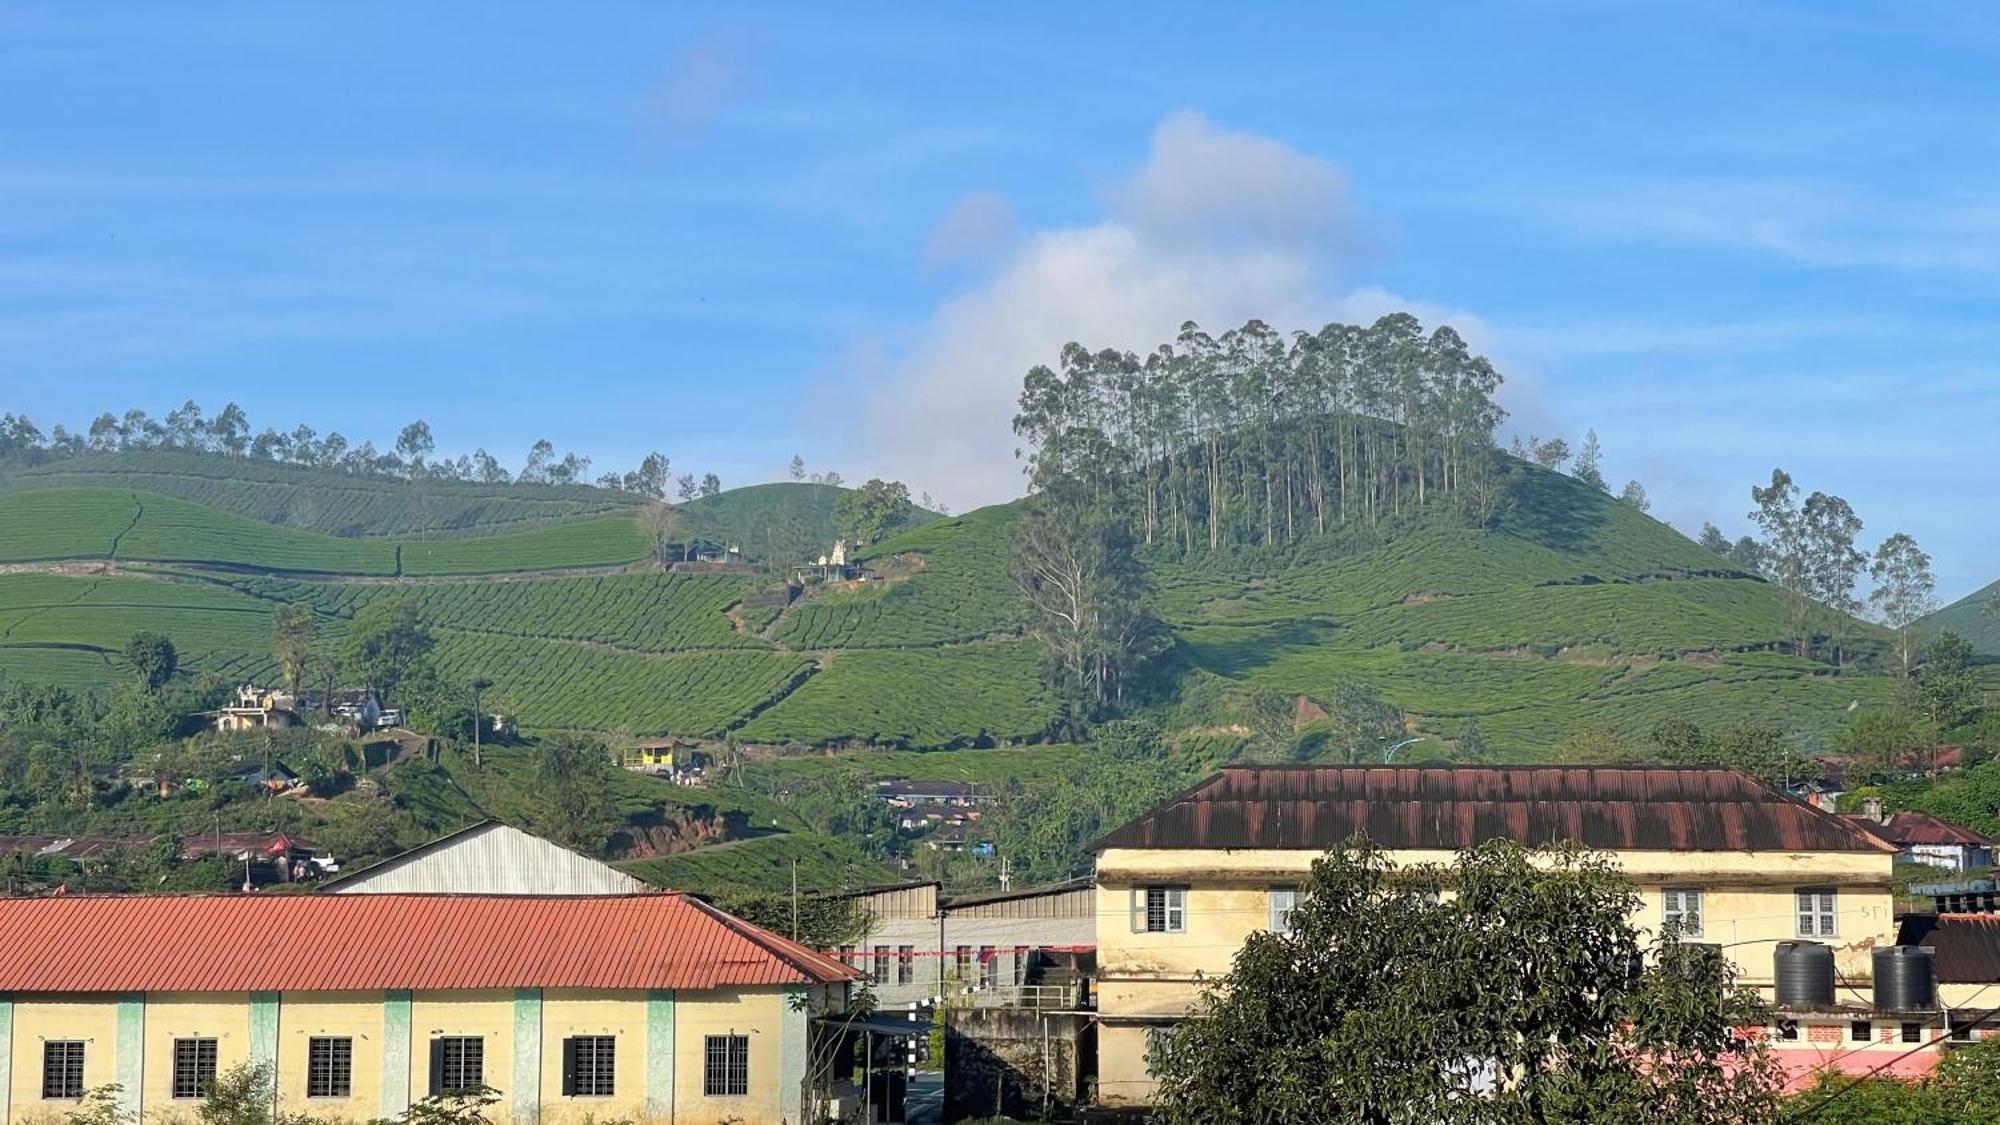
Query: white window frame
(1284,900)
(1816,911)
(1171,909)
(330,1067)
(1677,905)
(192,1075)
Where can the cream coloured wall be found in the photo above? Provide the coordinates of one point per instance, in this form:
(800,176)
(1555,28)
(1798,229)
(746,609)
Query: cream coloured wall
(304,1016)
(575,1012)
(155,1020)
(38,1019)
(758,1014)
(170,1016)
(1748,900)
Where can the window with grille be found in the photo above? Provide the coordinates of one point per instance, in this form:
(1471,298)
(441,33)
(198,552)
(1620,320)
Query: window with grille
(906,964)
(1681,911)
(589,1066)
(962,961)
(847,955)
(1159,910)
(1283,901)
(329,1067)
(458,1062)
(62,1069)
(989,967)
(194,1067)
(1818,914)
(1913,1033)
(725,1071)
(880,973)
(1861,1031)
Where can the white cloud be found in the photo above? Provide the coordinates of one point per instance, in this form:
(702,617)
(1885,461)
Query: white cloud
(1217,226)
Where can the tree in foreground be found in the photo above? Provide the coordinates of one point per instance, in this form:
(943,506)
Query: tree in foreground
(1507,986)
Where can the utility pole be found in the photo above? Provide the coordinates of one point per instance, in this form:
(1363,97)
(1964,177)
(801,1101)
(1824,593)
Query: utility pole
(795,900)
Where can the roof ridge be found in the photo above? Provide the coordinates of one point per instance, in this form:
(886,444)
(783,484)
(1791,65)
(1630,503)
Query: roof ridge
(777,945)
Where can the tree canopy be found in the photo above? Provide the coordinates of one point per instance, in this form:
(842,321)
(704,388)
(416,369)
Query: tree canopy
(1507,986)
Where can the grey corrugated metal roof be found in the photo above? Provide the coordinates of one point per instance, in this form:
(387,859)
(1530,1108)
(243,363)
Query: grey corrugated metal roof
(488,858)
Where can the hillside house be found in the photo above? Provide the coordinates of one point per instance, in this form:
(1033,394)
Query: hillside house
(949,794)
(256,708)
(1713,851)
(488,858)
(652,1006)
(1923,838)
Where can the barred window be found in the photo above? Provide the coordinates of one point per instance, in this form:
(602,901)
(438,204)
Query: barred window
(62,1069)
(1818,914)
(962,961)
(1681,911)
(1861,1031)
(880,973)
(458,1062)
(589,1063)
(725,1071)
(906,964)
(194,1068)
(329,1067)
(989,967)
(1159,910)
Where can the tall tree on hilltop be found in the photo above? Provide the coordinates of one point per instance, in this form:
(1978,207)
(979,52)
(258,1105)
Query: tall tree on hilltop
(797,469)
(1905,591)
(1713,539)
(1784,552)
(1833,564)
(1589,463)
(384,643)
(1635,495)
(415,444)
(868,513)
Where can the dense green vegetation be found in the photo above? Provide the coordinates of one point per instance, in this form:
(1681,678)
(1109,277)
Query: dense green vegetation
(920,699)
(1976,617)
(764,864)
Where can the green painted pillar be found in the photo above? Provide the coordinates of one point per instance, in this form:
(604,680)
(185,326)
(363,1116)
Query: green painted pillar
(660,1055)
(795,1026)
(264,1036)
(527,1091)
(130,1057)
(6,1058)
(395,1052)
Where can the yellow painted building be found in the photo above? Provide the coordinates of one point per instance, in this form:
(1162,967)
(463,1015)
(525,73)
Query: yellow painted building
(637,1006)
(1730,861)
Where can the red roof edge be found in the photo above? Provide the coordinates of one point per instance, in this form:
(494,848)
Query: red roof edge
(816,967)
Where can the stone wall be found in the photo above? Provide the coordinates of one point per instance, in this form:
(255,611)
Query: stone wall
(1005,1061)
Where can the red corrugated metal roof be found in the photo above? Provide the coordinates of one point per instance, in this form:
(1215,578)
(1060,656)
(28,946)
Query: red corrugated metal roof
(1922,828)
(241,943)
(1451,807)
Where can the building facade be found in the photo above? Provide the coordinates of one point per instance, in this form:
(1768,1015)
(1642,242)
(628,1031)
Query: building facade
(1713,852)
(916,947)
(652,1006)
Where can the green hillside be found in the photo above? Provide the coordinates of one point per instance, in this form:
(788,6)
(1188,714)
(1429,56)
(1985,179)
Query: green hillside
(327,500)
(1570,612)
(1976,617)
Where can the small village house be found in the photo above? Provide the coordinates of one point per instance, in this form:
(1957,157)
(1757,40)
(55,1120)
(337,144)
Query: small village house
(1714,852)
(651,1006)
(1923,838)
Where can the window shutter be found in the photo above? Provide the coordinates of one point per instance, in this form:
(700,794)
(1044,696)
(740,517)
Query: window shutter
(437,1067)
(569,1067)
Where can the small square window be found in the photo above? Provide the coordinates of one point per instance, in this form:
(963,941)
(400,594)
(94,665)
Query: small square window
(1961,1032)
(194,1068)
(1681,911)
(1788,1030)
(725,1071)
(1861,1031)
(1818,913)
(589,1066)
(329,1067)
(458,1062)
(1159,910)
(1913,1033)
(1283,901)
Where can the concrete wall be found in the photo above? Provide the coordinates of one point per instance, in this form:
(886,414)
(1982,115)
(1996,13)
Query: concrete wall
(1149,979)
(658,1053)
(1006,1061)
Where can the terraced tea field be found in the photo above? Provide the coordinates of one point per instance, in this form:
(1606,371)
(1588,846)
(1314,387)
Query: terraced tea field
(919,699)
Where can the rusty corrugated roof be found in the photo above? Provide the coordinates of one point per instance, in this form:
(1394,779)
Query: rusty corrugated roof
(1967,946)
(1450,807)
(1908,828)
(243,943)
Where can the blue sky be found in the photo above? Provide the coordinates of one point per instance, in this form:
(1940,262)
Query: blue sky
(1726,236)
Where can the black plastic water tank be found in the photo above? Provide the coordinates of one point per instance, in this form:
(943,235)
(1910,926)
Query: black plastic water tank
(1804,974)
(1905,979)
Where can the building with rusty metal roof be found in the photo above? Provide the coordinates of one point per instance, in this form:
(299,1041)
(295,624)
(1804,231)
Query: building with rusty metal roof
(1713,853)
(653,1005)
